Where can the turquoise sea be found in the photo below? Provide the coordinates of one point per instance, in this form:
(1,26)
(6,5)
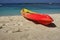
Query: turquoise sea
(14,9)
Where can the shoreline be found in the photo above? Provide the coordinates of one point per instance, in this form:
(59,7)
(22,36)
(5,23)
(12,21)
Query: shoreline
(20,14)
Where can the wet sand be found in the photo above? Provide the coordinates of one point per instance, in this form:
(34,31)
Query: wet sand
(19,28)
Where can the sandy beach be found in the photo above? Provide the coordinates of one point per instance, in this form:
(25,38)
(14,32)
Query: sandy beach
(19,28)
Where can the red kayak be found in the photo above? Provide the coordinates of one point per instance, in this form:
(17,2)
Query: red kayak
(40,18)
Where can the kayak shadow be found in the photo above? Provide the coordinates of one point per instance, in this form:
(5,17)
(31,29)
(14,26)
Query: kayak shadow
(52,25)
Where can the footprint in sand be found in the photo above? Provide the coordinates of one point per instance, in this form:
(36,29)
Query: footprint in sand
(9,28)
(1,26)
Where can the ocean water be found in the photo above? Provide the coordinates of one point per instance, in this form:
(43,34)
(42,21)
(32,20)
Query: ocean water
(14,9)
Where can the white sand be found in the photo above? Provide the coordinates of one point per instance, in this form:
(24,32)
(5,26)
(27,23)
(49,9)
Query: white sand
(19,28)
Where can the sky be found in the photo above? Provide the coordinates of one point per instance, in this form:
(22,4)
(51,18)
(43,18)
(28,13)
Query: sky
(29,1)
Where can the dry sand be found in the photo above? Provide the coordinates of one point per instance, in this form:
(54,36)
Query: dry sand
(19,28)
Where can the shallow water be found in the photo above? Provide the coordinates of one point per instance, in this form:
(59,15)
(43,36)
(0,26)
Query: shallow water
(12,9)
